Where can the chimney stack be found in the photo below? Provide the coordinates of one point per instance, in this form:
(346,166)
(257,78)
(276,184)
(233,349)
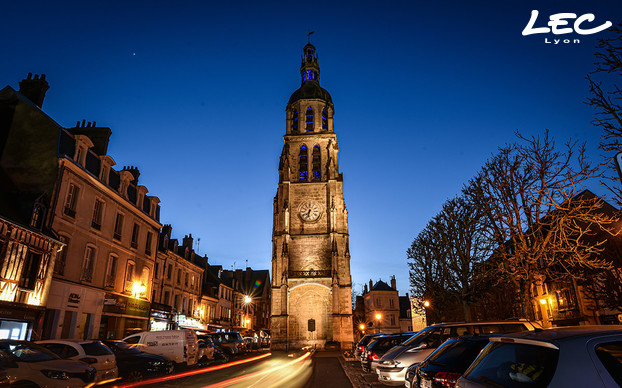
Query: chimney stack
(393,285)
(370,285)
(187,241)
(365,289)
(34,88)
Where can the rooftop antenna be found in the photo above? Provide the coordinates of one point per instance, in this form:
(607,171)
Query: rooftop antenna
(309,36)
(198,244)
(246,263)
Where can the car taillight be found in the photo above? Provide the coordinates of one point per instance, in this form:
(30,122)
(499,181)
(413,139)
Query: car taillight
(374,356)
(447,379)
(89,360)
(361,348)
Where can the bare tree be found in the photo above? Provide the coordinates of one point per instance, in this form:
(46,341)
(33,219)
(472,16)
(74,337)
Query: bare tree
(529,192)
(461,229)
(605,96)
(428,275)
(444,258)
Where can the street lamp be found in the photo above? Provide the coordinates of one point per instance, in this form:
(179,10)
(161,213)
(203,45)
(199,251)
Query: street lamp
(426,303)
(138,289)
(362,327)
(247,300)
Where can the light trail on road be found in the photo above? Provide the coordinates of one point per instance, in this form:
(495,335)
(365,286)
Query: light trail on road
(194,372)
(249,376)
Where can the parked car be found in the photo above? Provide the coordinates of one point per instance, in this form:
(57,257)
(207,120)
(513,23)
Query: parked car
(93,352)
(360,346)
(378,347)
(231,342)
(206,348)
(135,365)
(30,365)
(445,365)
(181,346)
(579,356)
(251,343)
(392,367)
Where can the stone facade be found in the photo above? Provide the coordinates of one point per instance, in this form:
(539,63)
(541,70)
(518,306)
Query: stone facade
(311,283)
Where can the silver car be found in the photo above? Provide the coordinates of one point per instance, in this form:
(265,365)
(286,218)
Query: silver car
(578,356)
(393,365)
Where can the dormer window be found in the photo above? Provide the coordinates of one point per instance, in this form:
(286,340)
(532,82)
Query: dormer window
(37,217)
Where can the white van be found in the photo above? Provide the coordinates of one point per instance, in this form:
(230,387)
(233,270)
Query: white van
(181,346)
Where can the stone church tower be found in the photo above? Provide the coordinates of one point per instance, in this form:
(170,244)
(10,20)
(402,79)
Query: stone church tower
(311,300)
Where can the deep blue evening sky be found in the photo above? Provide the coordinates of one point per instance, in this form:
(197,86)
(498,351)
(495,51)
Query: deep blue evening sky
(195,94)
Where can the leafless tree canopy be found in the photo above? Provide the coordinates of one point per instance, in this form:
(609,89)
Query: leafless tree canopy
(605,96)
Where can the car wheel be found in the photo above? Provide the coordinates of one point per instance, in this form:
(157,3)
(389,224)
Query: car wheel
(135,375)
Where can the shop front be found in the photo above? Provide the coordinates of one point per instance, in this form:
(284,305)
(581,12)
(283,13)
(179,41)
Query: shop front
(73,311)
(161,317)
(122,316)
(19,321)
(185,322)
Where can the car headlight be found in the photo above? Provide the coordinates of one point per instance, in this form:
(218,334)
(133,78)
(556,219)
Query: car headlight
(156,363)
(55,374)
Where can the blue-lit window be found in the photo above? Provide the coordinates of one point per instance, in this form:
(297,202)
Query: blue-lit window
(303,163)
(309,75)
(295,122)
(316,163)
(309,119)
(324,119)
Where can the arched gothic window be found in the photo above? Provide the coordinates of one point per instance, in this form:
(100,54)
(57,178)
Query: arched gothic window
(303,163)
(316,163)
(324,119)
(295,122)
(309,119)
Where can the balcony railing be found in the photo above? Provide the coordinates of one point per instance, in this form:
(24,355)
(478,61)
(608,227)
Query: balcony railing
(313,273)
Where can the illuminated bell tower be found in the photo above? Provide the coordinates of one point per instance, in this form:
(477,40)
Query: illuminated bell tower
(311,283)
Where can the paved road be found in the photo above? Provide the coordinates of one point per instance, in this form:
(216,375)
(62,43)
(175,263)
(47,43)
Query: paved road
(263,370)
(327,372)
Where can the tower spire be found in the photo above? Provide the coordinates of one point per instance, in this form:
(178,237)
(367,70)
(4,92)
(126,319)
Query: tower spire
(309,67)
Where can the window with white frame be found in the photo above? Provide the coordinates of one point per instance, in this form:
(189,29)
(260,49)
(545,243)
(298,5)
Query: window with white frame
(88,264)
(72,200)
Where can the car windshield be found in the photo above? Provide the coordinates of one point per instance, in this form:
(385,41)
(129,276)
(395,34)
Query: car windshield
(458,354)
(27,352)
(415,339)
(514,365)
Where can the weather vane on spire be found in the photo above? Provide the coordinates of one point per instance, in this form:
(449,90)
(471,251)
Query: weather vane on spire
(309,36)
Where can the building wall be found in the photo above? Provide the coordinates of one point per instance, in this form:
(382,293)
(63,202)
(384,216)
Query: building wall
(96,264)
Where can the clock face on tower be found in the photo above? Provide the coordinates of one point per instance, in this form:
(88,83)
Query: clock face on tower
(309,211)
